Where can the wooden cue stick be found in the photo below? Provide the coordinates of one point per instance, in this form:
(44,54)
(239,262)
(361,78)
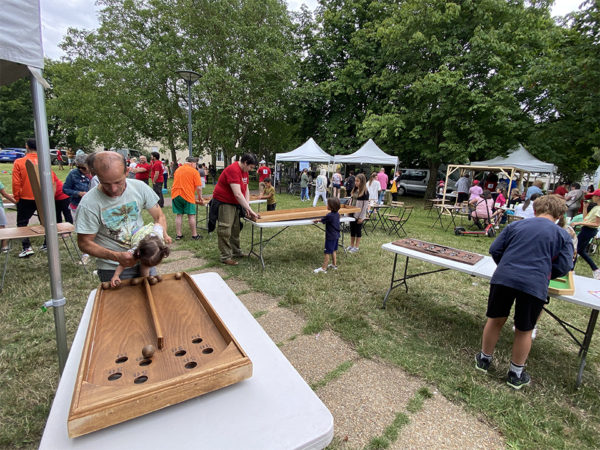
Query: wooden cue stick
(157,328)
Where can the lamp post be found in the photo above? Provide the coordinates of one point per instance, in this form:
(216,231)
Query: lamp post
(190,77)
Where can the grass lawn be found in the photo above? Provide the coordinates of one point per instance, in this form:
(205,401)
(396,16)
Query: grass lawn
(432,332)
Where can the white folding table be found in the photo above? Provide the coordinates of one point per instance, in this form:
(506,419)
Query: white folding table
(485,269)
(285,224)
(274,409)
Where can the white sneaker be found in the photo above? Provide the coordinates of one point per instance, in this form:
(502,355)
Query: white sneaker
(349,248)
(534,333)
(354,250)
(25,253)
(331,266)
(319,270)
(597,274)
(84,259)
(496,227)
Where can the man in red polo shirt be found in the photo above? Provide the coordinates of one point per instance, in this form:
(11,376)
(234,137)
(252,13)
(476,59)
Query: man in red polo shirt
(142,170)
(263,172)
(157,177)
(232,194)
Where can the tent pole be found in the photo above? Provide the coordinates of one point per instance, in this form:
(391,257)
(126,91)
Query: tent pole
(45,169)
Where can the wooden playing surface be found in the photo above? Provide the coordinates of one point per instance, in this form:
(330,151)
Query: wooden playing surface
(35,231)
(301,213)
(115,382)
(440,251)
(563,285)
(208,198)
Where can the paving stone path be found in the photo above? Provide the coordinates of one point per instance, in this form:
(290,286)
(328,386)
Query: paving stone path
(364,396)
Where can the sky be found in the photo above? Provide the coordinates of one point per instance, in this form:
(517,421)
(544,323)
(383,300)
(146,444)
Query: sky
(60,15)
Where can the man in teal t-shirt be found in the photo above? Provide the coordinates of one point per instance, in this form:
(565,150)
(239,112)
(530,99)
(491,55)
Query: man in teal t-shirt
(108,216)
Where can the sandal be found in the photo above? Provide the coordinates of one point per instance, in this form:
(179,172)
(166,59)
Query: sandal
(196,238)
(178,238)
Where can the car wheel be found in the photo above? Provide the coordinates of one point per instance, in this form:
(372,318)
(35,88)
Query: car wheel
(401,191)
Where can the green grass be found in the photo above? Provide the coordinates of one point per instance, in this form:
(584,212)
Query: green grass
(330,376)
(432,332)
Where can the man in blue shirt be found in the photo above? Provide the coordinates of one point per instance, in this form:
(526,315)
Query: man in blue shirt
(536,188)
(529,253)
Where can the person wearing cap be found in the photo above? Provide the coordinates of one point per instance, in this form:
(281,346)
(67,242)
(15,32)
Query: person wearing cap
(263,173)
(475,191)
(186,183)
(440,189)
(589,229)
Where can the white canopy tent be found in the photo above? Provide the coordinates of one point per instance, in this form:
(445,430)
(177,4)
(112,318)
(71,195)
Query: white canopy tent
(519,158)
(369,153)
(21,55)
(309,151)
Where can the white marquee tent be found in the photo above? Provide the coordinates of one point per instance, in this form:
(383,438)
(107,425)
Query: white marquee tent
(520,159)
(369,153)
(309,151)
(21,56)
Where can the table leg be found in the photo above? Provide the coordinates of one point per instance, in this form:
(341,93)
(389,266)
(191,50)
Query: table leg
(80,256)
(5,266)
(586,345)
(452,212)
(262,245)
(439,218)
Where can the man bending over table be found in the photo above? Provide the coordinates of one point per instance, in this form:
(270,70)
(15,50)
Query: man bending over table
(108,216)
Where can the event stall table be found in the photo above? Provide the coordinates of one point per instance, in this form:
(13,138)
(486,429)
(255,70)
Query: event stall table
(64,230)
(262,243)
(485,269)
(450,211)
(377,216)
(274,409)
(254,200)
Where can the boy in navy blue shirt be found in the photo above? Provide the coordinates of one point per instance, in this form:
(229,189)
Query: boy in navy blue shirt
(529,253)
(332,233)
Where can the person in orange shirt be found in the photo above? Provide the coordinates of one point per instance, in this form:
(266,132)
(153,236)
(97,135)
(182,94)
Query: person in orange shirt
(186,183)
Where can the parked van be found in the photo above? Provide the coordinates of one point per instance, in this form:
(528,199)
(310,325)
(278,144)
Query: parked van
(415,181)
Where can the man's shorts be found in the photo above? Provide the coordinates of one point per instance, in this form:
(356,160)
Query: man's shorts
(527,307)
(182,206)
(71,161)
(331,245)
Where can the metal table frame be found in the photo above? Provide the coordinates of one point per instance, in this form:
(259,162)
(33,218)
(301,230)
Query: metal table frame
(262,243)
(485,269)
(379,219)
(453,212)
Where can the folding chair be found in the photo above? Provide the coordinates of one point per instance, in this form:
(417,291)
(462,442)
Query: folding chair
(397,223)
(395,205)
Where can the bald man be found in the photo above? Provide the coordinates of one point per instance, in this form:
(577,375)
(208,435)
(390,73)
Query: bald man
(108,216)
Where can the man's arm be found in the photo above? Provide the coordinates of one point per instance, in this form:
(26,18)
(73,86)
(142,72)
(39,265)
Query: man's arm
(86,244)
(499,245)
(160,219)
(16,182)
(241,198)
(199,193)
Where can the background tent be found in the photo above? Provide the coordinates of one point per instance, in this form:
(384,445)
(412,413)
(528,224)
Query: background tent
(309,151)
(519,158)
(368,154)
(21,55)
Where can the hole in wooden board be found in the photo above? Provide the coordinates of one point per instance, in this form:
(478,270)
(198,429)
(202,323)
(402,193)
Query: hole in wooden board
(197,341)
(180,353)
(115,376)
(145,362)
(140,380)
(191,365)
(207,351)
(121,360)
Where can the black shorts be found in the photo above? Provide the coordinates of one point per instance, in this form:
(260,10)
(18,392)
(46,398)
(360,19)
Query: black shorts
(331,245)
(462,197)
(527,308)
(271,207)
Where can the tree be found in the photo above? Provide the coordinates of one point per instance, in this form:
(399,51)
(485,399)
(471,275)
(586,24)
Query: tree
(16,118)
(455,78)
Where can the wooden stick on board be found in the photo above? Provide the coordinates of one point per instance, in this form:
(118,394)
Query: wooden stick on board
(159,334)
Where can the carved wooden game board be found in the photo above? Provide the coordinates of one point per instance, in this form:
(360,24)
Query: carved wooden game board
(193,352)
(301,213)
(440,251)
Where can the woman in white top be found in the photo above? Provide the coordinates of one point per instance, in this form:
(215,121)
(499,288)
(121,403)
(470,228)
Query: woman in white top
(373,186)
(321,188)
(525,209)
(336,180)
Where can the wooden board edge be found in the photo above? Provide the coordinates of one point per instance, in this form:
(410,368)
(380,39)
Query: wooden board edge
(569,291)
(85,353)
(151,401)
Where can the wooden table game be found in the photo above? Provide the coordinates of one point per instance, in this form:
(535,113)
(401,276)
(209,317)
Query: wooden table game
(285,219)
(254,200)
(586,291)
(152,342)
(272,410)
(64,231)
(440,251)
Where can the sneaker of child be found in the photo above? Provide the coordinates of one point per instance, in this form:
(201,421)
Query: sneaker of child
(147,246)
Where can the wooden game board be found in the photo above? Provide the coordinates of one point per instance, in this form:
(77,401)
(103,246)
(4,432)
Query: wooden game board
(301,213)
(195,352)
(563,285)
(440,251)
(208,198)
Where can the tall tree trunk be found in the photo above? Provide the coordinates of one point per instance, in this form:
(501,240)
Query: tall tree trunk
(433,166)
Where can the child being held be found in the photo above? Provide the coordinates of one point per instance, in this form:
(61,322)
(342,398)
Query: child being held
(147,246)
(332,233)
